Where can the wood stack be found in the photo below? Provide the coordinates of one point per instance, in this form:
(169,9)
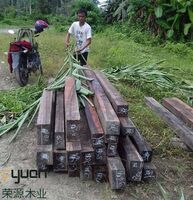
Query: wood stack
(177,115)
(100,142)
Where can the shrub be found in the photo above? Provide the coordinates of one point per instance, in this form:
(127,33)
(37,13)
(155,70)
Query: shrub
(173,19)
(94,17)
(10,12)
(7,21)
(178,48)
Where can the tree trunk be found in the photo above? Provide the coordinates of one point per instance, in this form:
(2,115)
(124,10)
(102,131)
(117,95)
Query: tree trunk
(30,7)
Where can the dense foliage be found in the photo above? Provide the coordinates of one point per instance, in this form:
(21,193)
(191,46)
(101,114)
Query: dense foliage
(170,19)
(94,16)
(56,12)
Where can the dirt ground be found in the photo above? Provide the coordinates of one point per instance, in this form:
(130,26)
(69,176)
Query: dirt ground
(174,173)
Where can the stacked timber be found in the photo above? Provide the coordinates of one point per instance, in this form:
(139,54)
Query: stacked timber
(177,115)
(97,142)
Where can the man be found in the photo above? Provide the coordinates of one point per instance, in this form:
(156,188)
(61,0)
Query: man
(82,33)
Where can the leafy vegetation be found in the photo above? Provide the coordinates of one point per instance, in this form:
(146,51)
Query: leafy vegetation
(94,15)
(140,75)
(16,100)
(170,19)
(17,105)
(57,13)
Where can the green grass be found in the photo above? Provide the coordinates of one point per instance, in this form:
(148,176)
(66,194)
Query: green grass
(109,51)
(52,51)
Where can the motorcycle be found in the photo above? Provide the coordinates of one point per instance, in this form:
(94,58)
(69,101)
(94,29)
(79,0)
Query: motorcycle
(23,55)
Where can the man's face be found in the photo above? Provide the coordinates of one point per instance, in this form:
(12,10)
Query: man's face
(81,18)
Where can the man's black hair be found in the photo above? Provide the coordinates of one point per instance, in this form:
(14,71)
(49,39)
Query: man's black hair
(82,10)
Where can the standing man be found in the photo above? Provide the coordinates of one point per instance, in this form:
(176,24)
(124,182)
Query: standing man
(82,33)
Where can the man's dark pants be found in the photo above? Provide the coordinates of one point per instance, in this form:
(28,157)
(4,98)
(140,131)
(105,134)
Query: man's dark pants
(82,58)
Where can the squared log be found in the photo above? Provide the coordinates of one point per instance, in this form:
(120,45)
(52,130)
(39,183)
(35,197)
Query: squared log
(98,141)
(116,173)
(87,152)
(73,153)
(59,130)
(179,109)
(149,172)
(119,104)
(86,172)
(142,146)
(112,149)
(73,170)
(112,142)
(179,127)
(45,118)
(96,130)
(132,161)
(100,173)
(72,114)
(44,157)
(127,126)
(112,139)
(85,135)
(60,161)
(100,155)
(106,113)
(73,158)
(87,155)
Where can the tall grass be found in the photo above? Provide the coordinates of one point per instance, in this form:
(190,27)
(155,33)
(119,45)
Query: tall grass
(115,49)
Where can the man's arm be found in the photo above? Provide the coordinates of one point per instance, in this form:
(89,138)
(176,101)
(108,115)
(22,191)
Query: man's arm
(67,40)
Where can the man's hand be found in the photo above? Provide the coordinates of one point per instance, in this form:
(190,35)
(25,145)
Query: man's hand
(78,50)
(67,40)
(67,44)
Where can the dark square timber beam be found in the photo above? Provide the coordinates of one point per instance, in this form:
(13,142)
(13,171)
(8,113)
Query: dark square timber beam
(45,118)
(179,127)
(179,109)
(96,130)
(72,114)
(119,104)
(106,113)
(59,130)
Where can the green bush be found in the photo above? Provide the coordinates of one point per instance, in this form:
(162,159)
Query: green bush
(170,19)
(61,28)
(1,16)
(7,21)
(94,17)
(178,48)
(10,12)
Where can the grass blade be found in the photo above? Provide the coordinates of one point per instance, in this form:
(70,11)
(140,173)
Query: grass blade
(164,193)
(23,118)
(82,95)
(36,110)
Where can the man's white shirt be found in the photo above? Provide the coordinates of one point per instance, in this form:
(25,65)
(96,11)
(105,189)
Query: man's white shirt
(81,34)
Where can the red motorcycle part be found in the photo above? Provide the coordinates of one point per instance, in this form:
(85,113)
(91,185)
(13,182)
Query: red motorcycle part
(16,47)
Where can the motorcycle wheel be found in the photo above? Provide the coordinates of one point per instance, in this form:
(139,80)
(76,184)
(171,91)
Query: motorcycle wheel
(21,72)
